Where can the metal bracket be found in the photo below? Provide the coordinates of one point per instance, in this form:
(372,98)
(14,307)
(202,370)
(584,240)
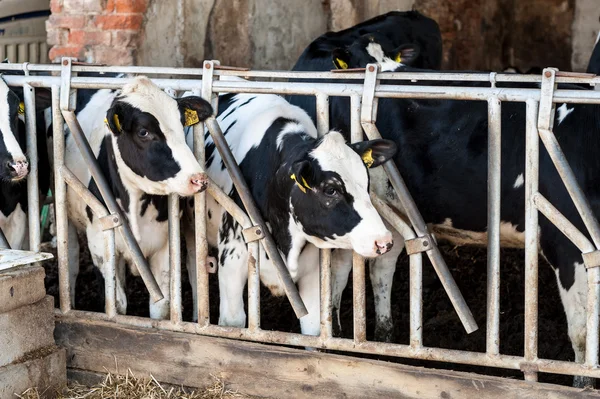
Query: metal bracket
(368,111)
(252,234)
(591,259)
(493,79)
(208,77)
(110,222)
(547,107)
(68,97)
(419,244)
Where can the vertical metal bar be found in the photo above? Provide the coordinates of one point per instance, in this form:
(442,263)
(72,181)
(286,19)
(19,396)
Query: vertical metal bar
(592,326)
(358,262)
(416,300)
(60,203)
(325,254)
(110,286)
(253,286)
(33,198)
(493,251)
(532,159)
(175,258)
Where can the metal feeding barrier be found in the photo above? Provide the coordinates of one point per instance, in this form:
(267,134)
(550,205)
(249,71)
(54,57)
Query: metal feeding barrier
(364,89)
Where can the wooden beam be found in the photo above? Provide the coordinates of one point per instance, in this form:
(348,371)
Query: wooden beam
(273,371)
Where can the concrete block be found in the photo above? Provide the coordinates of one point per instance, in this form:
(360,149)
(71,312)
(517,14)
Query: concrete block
(25,330)
(20,287)
(47,373)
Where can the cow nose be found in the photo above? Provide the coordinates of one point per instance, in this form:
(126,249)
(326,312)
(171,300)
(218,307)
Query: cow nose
(383,246)
(18,169)
(199,182)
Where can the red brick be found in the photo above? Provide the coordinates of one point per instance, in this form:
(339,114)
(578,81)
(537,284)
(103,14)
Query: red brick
(57,37)
(110,6)
(131,6)
(79,37)
(56,6)
(57,52)
(67,21)
(119,21)
(114,56)
(124,38)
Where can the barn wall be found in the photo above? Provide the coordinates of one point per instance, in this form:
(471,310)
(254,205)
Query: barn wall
(269,34)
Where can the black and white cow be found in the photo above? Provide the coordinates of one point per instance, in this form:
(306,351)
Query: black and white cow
(443,159)
(313,193)
(14,168)
(142,152)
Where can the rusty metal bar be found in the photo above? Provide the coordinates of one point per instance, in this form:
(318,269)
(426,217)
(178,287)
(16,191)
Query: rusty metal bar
(33,192)
(253,286)
(174,258)
(532,159)
(493,227)
(246,197)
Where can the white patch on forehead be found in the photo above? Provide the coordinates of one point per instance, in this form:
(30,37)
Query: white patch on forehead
(519,182)
(386,63)
(289,128)
(8,136)
(563,112)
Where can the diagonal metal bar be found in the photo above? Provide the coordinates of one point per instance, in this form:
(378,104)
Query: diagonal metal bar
(244,193)
(412,212)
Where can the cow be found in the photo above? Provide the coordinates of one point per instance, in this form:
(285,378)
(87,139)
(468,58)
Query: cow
(137,137)
(14,167)
(313,193)
(443,158)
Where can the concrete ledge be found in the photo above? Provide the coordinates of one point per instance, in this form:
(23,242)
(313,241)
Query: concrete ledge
(48,374)
(25,330)
(21,287)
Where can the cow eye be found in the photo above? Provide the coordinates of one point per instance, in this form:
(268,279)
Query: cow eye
(143,133)
(330,191)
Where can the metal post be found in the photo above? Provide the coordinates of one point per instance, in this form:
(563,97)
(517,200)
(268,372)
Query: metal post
(175,257)
(110,264)
(493,227)
(532,159)
(253,286)
(33,192)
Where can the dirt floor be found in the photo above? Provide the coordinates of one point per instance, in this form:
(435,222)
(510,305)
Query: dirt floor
(442,328)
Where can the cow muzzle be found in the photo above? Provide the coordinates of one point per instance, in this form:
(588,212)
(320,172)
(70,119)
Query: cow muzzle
(18,169)
(198,182)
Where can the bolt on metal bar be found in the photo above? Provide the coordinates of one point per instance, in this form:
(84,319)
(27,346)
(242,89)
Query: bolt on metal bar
(33,196)
(412,212)
(493,227)
(174,258)
(358,262)
(532,157)
(60,203)
(246,197)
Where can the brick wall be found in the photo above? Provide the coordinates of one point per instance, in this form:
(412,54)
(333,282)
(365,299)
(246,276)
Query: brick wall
(101,31)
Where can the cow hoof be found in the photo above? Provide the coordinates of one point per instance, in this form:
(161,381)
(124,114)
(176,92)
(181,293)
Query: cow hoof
(384,330)
(583,382)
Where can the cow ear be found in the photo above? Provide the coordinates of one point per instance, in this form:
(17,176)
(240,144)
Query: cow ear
(193,109)
(114,119)
(375,152)
(302,174)
(407,54)
(341,58)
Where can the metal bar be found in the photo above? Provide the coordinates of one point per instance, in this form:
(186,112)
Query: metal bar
(60,205)
(175,257)
(113,207)
(246,197)
(347,345)
(412,212)
(493,227)
(33,192)
(253,286)
(532,159)
(109,265)
(78,187)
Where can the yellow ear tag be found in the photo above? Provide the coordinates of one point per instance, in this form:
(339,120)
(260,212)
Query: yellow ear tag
(302,186)
(367,157)
(21,108)
(117,123)
(398,58)
(341,63)
(191,117)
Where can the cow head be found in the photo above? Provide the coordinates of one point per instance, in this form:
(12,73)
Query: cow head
(150,149)
(373,48)
(13,163)
(330,198)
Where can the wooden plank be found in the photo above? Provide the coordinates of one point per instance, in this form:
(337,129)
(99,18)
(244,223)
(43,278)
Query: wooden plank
(272,371)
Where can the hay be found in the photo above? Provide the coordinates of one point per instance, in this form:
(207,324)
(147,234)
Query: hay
(130,386)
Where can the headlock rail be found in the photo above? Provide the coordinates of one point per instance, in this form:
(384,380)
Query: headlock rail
(364,88)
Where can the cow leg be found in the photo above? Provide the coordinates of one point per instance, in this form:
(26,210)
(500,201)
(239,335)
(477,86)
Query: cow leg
(381,271)
(159,265)
(341,265)
(121,264)
(308,287)
(73,259)
(574,302)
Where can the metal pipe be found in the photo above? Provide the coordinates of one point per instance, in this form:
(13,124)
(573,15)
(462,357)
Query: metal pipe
(532,157)
(493,227)
(113,207)
(246,197)
(60,205)
(109,265)
(80,189)
(253,286)
(326,306)
(33,192)
(175,257)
